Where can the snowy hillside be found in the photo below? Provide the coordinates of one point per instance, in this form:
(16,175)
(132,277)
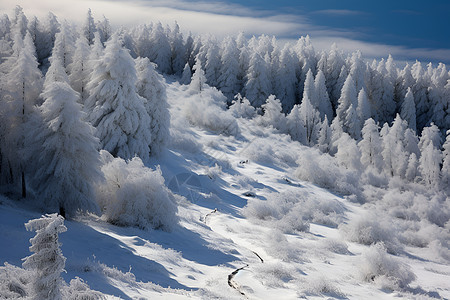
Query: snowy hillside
(143,163)
(249,228)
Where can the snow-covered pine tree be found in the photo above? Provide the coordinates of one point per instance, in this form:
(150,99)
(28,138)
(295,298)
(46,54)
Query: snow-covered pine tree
(408,110)
(241,108)
(21,88)
(64,45)
(228,81)
(363,110)
(430,165)
(88,28)
(212,61)
(150,85)
(348,154)
(325,109)
(78,69)
(324,141)
(258,85)
(446,162)
(370,146)
(177,57)
(160,51)
(104,29)
(348,98)
(186,75)
(296,126)
(19,22)
(198,80)
(420,90)
(55,73)
(69,161)
(285,79)
(47,261)
(394,155)
(114,106)
(273,114)
(311,121)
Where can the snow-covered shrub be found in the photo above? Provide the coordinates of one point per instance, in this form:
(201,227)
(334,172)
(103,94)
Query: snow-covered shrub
(79,290)
(208,110)
(386,271)
(14,282)
(292,212)
(372,229)
(321,286)
(322,169)
(274,274)
(335,246)
(241,108)
(134,195)
(47,262)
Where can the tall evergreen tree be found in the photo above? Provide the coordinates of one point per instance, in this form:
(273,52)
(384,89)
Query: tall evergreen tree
(78,69)
(370,146)
(114,106)
(228,81)
(151,87)
(258,85)
(88,27)
(408,110)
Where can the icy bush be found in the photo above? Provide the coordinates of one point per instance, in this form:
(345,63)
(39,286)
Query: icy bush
(14,282)
(272,150)
(208,111)
(335,246)
(241,108)
(372,229)
(47,261)
(274,274)
(79,290)
(322,169)
(134,195)
(321,286)
(292,212)
(386,271)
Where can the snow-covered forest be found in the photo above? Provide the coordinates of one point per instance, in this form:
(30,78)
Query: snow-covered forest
(101,126)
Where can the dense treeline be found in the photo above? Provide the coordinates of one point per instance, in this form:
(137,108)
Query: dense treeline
(67,91)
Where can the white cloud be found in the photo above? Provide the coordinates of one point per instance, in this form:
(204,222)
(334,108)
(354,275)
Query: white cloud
(339,12)
(222,19)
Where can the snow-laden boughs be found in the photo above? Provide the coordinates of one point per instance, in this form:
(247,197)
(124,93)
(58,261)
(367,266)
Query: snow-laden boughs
(20,88)
(47,261)
(115,108)
(151,86)
(134,195)
(78,69)
(68,164)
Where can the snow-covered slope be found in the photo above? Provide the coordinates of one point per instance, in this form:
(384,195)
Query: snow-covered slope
(249,229)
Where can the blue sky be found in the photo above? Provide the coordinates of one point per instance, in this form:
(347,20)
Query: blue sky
(408,30)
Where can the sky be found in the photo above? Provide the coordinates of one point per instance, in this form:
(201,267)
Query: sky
(408,30)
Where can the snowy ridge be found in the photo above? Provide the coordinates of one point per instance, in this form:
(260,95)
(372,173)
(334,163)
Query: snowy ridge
(248,227)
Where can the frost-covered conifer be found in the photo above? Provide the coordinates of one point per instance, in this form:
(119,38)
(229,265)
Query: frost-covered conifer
(348,98)
(363,110)
(325,109)
(88,27)
(241,108)
(151,86)
(412,170)
(55,73)
(228,81)
(285,79)
(348,153)
(21,87)
(311,121)
(104,29)
(178,57)
(446,161)
(370,145)
(408,110)
(296,126)
(64,45)
(114,106)
(69,161)
(324,141)
(186,75)
(212,62)
(160,51)
(198,80)
(429,165)
(273,114)
(47,261)
(78,69)
(258,85)
(420,90)
(394,155)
